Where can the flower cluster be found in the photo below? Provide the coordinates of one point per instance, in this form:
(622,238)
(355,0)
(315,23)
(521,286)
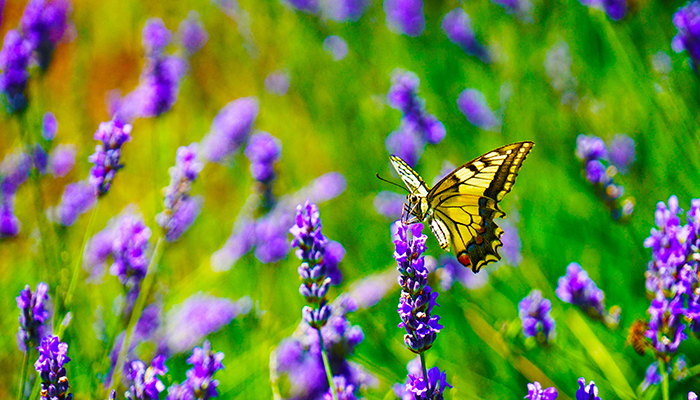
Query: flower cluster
(113,135)
(418,127)
(77,198)
(534,311)
(417,298)
(53,356)
(34,316)
(191,33)
(601,167)
(584,392)
(686,22)
(144,382)
(299,356)
(180,208)
(405,17)
(42,26)
(14,171)
(230,129)
(416,387)
(472,104)
(458,29)
(200,383)
(577,288)
(263,151)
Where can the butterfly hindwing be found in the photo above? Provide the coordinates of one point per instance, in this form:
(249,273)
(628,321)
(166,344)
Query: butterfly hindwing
(466,203)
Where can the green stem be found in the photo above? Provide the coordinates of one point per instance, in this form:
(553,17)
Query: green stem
(136,313)
(23,377)
(425,373)
(327,365)
(68,297)
(664,380)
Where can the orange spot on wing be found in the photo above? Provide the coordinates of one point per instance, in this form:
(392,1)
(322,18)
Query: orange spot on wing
(464,259)
(479,240)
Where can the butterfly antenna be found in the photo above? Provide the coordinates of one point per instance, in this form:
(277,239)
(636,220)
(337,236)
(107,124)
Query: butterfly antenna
(393,183)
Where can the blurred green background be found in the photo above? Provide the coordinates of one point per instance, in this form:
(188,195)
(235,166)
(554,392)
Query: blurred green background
(335,118)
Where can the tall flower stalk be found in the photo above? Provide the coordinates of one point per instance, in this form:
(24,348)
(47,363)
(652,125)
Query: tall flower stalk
(415,309)
(311,244)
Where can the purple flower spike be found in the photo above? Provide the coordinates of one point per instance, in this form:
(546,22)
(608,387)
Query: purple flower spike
(14,171)
(590,148)
(192,34)
(336,46)
(534,313)
(9,223)
(405,16)
(622,152)
(417,388)
(389,204)
(113,135)
(578,289)
(53,356)
(458,29)
(666,329)
(144,382)
(615,9)
(263,151)
(204,364)
(44,25)
(62,160)
(14,61)
(230,129)
(343,390)
(155,36)
(77,198)
(160,84)
(417,298)
(586,392)
(472,104)
(307,6)
(344,10)
(535,392)
(49,126)
(34,316)
(652,376)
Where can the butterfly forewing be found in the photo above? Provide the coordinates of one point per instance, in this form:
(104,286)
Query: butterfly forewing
(410,177)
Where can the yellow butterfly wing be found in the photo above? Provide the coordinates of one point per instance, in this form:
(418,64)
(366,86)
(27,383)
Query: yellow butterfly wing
(465,203)
(409,177)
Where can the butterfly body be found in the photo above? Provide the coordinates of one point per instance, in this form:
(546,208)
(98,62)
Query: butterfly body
(460,209)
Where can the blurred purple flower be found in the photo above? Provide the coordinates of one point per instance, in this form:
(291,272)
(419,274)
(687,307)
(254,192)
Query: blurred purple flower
(160,84)
(263,150)
(417,299)
(621,152)
(389,204)
(62,159)
(343,389)
(616,9)
(307,6)
(77,198)
(472,104)
(130,255)
(49,126)
(34,316)
(14,61)
(344,10)
(113,135)
(595,172)
(403,93)
(512,245)
(590,148)
(181,210)
(406,145)
(241,241)
(578,289)
(192,34)
(277,82)
(230,129)
(40,159)
(450,270)
(336,46)
(44,24)
(652,376)
(373,288)
(692,396)
(200,383)
(186,324)
(666,329)
(155,36)
(534,313)
(14,171)
(535,392)
(271,231)
(144,382)
(458,29)
(687,22)
(586,392)
(9,223)
(405,16)
(51,366)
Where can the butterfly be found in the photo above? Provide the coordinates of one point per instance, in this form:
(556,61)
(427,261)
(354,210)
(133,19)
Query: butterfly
(460,209)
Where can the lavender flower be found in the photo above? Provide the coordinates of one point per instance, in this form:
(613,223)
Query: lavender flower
(389,204)
(406,145)
(9,223)
(44,25)
(336,46)
(271,232)
(622,152)
(417,298)
(241,241)
(49,126)
(34,316)
(204,364)
(692,396)
(615,9)
(53,356)
(263,151)
(186,324)
(652,376)
(113,135)
(230,129)
(373,288)
(472,104)
(534,313)
(590,148)
(144,382)
(40,159)
(578,289)
(62,160)
(14,171)
(307,6)
(586,392)
(14,61)
(665,328)
(155,36)
(343,390)
(535,392)
(180,209)
(458,29)
(160,84)
(310,244)
(77,198)
(405,16)
(277,83)
(192,34)
(130,254)
(344,10)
